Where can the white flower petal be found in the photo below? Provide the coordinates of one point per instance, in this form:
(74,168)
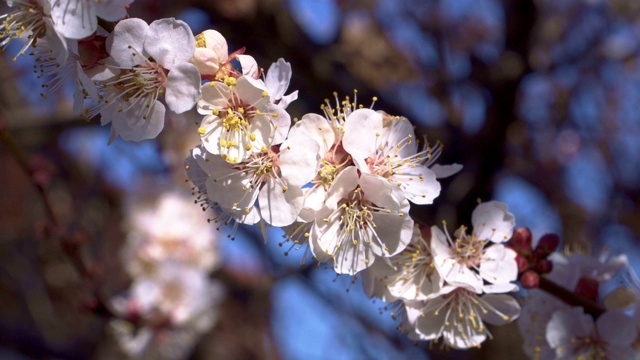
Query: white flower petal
(74,19)
(279,207)
(126,42)
(278,78)
(499,265)
(443,171)
(182,87)
(249,66)
(361,130)
(316,127)
(112,10)
(169,41)
(492,221)
(298,160)
(502,309)
(131,125)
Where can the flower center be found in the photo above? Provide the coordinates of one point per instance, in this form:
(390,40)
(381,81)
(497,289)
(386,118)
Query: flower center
(140,85)
(468,249)
(27,19)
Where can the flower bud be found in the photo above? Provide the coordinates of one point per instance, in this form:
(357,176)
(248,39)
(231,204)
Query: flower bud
(521,241)
(548,243)
(530,280)
(544,266)
(522,262)
(211,52)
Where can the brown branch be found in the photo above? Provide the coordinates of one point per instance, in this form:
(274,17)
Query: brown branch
(570,298)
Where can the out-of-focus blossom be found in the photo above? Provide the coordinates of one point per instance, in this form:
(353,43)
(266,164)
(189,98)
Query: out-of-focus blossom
(170,228)
(573,335)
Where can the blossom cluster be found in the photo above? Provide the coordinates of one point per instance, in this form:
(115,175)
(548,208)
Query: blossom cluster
(171,300)
(447,288)
(340,184)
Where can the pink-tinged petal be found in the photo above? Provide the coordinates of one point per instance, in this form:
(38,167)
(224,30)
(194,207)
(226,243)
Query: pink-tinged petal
(502,309)
(492,221)
(498,265)
(280,207)
(86,83)
(444,171)
(131,125)
(74,19)
(299,160)
(103,72)
(264,131)
(249,66)
(182,87)
(278,78)
(361,132)
(126,42)
(316,127)
(450,270)
(214,41)
(169,42)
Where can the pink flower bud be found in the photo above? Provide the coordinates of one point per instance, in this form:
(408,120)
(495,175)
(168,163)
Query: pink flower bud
(530,280)
(522,262)
(544,266)
(521,241)
(548,243)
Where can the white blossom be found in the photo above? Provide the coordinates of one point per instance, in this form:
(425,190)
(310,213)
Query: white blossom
(31,20)
(391,152)
(151,62)
(361,218)
(176,294)
(474,258)
(409,275)
(273,178)
(240,119)
(170,228)
(458,315)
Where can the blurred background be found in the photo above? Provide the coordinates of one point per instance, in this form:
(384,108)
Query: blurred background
(538,99)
